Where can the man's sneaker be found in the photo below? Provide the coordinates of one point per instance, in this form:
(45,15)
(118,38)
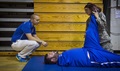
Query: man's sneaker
(28,57)
(21,59)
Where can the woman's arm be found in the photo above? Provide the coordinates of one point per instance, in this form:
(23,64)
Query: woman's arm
(87,23)
(101,19)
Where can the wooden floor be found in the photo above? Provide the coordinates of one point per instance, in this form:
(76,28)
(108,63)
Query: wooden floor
(10,63)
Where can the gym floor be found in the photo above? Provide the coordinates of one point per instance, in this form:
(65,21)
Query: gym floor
(10,63)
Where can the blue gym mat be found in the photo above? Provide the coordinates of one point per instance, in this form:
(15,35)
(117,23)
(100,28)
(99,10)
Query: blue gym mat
(36,63)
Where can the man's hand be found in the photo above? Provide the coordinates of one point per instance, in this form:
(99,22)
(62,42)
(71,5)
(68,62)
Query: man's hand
(44,44)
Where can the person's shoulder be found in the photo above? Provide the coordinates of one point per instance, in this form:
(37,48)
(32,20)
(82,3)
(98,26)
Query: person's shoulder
(27,21)
(101,14)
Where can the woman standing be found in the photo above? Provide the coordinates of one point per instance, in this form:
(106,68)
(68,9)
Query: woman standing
(91,8)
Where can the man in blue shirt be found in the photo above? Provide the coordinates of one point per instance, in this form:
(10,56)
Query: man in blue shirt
(76,57)
(90,55)
(25,39)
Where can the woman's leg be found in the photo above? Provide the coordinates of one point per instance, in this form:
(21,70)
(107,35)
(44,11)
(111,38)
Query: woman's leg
(107,46)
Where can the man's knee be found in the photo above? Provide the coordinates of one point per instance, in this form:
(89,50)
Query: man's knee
(36,44)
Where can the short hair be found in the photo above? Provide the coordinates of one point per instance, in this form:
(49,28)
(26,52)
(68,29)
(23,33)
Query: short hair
(33,15)
(93,7)
(48,60)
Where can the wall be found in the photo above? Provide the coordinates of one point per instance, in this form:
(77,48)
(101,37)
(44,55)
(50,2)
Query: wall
(115,27)
(62,23)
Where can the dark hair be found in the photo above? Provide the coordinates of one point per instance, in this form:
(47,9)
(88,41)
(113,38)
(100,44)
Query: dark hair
(48,60)
(93,7)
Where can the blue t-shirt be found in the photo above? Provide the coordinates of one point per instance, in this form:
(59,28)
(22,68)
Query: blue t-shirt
(22,30)
(74,57)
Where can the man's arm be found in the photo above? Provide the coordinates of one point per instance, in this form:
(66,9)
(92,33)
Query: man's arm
(35,38)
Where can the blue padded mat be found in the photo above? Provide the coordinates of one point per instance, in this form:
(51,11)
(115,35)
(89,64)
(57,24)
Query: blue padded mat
(89,69)
(36,63)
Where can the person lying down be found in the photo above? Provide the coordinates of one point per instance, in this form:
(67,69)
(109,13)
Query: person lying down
(90,55)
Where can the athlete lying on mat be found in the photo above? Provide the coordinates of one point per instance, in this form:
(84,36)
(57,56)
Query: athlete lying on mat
(90,55)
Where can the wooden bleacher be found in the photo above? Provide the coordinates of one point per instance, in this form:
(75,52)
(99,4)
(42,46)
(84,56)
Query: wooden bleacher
(62,24)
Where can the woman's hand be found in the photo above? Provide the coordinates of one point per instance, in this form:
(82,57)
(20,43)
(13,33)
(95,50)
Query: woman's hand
(96,14)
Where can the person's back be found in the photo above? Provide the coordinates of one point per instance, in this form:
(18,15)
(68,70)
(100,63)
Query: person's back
(20,34)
